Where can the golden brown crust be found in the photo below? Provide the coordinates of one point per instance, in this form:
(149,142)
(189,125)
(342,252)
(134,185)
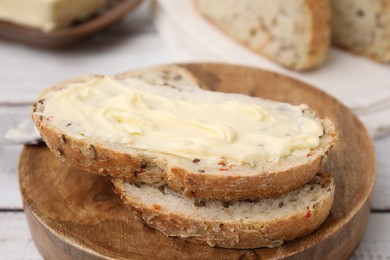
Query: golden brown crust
(139,167)
(234,234)
(320,13)
(227,187)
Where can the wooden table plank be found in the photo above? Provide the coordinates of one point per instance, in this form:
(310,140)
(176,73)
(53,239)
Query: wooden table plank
(105,56)
(376,242)
(16,242)
(15,239)
(25,71)
(9,156)
(10,197)
(381,198)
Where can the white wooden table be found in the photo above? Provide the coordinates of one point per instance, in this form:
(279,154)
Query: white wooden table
(24,71)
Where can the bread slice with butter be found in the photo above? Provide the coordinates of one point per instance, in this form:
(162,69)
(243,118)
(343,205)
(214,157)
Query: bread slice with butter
(295,34)
(363,27)
(156,126)
(239,224)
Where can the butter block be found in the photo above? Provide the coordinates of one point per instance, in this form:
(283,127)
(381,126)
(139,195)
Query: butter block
(47,15)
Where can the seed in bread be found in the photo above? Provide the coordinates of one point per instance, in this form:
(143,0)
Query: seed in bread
(240,224)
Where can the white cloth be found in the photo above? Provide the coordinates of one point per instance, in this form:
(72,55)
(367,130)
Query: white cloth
(356,81)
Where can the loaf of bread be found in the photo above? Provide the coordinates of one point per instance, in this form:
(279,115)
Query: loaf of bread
(295,34)
(363,27)
(240,224)
(92,147)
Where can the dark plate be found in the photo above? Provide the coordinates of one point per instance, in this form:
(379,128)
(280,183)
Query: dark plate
(111,12)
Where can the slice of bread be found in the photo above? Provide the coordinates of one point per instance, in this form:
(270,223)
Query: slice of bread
(295,34)
(363,27)
(240,224)
(191,176)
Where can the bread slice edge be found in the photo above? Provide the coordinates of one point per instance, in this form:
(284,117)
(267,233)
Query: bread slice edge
(242,233)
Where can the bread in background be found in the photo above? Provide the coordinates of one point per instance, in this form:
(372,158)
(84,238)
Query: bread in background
(295,34)
(363,27)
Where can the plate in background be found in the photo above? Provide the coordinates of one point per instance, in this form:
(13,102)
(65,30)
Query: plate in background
(111,12)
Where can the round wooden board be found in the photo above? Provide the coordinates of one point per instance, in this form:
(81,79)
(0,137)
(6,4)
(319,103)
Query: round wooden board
(73,214)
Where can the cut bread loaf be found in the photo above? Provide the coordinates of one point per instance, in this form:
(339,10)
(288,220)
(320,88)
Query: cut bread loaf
(240,224)
(203,178)
(295,34)
(363,27)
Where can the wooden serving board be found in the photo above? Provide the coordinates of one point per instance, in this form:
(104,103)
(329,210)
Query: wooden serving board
(73,214)
(111,12)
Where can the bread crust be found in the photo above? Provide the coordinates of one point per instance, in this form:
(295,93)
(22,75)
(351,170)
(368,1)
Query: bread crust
(141,167)
(234,234)
(225,187)
(318,14)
